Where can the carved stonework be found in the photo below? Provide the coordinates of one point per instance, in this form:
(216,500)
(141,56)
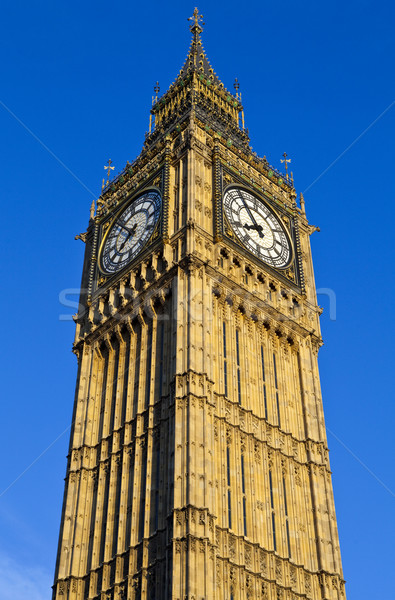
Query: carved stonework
(232,547)
(248,556)
(197,463)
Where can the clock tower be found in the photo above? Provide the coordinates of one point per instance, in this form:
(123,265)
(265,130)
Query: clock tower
(198,464)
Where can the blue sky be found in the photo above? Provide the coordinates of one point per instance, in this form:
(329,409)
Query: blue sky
(76,85)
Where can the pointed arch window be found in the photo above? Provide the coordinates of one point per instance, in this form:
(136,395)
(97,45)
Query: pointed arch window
(229,490)
(148,367)
(264,382)
(243,489)
(161,356)
(273,511)
(225,359)
(276,389)
(286,518)
(238,366)
(157,482)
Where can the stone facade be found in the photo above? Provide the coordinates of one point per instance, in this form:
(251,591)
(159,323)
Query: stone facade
(198,466)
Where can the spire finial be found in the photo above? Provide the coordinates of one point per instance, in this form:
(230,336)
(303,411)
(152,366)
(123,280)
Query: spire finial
(236,85)
(196,28)
(156,92)
(108,168)
(285,161)
(154,101)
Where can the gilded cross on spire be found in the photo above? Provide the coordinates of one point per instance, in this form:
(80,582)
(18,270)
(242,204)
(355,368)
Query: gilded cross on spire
(109,168)
(285,160)
(196,18)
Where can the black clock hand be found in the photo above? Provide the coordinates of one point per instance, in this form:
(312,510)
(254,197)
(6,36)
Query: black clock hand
(124,242)
(256,226)
(131,232)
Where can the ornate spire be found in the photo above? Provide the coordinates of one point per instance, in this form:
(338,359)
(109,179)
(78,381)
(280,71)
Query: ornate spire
(197,60)
(198,90)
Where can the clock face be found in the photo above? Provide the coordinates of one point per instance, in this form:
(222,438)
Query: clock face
(257,227)
(130,232)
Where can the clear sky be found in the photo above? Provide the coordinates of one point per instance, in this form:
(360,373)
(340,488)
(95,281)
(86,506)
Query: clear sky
(317,80)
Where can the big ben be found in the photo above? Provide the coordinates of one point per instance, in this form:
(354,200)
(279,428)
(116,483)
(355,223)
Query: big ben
(198,463)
